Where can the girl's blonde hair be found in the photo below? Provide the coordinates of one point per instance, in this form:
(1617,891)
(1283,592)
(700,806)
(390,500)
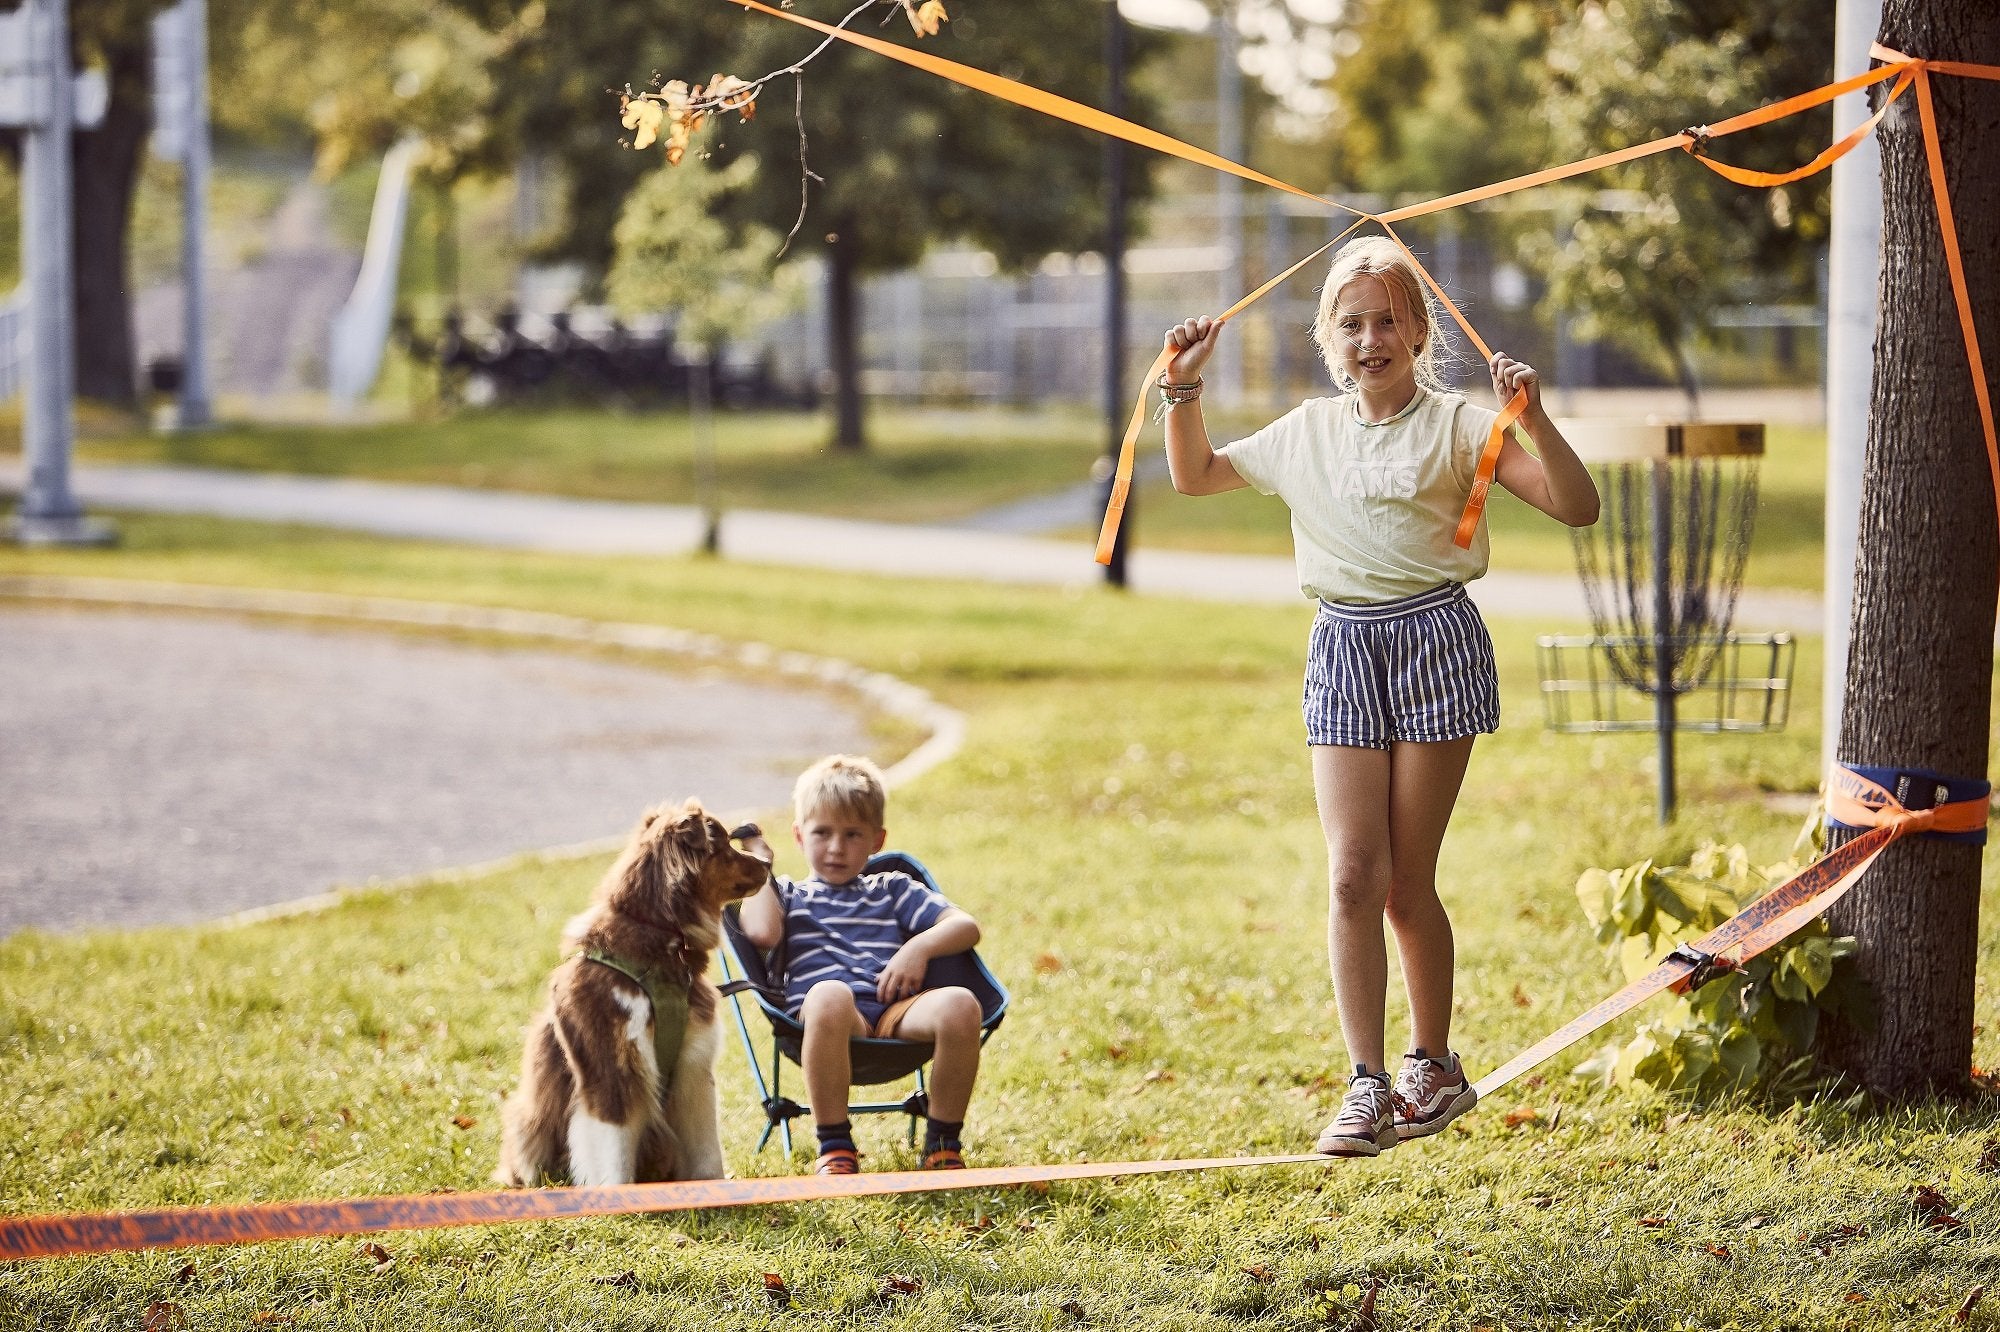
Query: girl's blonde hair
(848,787)
(1409,300)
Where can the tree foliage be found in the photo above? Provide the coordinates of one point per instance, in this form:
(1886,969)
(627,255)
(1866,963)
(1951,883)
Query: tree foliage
(1442,95)
(674,253)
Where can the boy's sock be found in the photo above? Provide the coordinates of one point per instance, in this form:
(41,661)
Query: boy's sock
(941,1135)
(832,1136)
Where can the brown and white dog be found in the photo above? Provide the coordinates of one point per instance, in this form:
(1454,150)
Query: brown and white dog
(593,1105)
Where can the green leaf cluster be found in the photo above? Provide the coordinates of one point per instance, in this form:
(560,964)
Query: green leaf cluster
(1750,1027)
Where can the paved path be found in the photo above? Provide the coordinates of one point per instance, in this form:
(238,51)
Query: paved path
(604,527)
(173,768)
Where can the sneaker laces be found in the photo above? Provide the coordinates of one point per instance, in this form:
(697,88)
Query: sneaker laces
(1419,1078)
(1363,1104)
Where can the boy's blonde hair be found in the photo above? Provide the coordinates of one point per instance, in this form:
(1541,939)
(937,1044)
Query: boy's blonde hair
(1409,301)
(841,784)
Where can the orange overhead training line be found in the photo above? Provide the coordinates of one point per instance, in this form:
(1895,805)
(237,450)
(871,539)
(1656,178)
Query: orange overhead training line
(1903,68)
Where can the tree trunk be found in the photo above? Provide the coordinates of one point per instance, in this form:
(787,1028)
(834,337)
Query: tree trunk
(843,303)
(106,163)
(1920,673)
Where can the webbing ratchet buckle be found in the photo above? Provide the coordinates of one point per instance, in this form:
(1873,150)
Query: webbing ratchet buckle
(1706,967)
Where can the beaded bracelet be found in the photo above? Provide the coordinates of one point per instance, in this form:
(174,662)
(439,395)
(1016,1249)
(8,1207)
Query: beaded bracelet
(1173,395)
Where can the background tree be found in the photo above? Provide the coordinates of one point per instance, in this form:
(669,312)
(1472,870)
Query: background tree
(905,158)
(673,254)
(1920,675)
(1682,242)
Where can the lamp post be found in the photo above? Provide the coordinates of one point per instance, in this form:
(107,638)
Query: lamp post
(1114,279)
(38,95)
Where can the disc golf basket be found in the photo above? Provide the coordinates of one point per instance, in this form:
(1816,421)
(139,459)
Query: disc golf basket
(1661,571)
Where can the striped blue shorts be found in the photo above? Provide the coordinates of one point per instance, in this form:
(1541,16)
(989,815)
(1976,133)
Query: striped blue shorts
(1417,669)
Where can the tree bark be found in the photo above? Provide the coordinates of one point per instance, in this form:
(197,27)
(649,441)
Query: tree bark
(843,304)
(1919,676)
(106,164)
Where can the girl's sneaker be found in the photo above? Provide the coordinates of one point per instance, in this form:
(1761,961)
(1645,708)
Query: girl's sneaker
(1430,1093)
(1366,1124)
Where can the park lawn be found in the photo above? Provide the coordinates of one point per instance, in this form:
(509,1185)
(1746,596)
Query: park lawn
(1132,823)
(1786,549)
(920,466)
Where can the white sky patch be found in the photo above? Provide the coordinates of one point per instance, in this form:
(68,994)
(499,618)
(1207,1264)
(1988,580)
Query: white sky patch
(1287,46)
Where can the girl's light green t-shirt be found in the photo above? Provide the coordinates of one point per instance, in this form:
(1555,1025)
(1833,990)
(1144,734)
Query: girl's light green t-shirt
(1374,507)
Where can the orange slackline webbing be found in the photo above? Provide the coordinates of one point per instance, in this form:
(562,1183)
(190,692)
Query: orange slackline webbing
(1767,921)
(56,1236)
(1852,799)
(1035,99)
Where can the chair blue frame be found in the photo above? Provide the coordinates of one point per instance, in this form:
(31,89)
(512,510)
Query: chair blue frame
(747,971)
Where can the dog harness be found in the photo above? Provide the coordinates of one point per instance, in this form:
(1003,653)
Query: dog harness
(667,989)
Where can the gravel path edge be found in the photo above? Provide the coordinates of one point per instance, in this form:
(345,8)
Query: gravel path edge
(886,693)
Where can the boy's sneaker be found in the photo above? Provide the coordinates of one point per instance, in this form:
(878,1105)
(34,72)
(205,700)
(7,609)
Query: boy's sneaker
(838,1161)
(945,1158)
(1366,1124)
(1430,1093)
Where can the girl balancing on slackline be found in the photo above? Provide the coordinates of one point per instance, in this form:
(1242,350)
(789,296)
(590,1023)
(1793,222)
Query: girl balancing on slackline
(1399,673)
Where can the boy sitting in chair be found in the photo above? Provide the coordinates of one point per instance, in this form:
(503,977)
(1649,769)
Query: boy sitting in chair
(855,950)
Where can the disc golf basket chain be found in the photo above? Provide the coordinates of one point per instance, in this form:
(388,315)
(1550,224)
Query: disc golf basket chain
(1661,572)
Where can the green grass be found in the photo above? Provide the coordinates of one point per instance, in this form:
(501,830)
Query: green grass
(1132,822)
(1786,549)
(929,466)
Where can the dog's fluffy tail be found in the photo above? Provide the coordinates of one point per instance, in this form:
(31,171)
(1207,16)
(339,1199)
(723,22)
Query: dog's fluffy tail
(534,1124)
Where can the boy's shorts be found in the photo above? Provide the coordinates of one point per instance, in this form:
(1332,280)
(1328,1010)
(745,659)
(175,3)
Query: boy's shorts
(1418,669)
(892,1017)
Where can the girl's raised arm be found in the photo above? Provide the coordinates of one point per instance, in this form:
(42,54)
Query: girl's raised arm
(1557,482)
(1196,467)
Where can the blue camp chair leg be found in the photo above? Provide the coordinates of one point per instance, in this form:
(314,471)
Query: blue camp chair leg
(784,1120)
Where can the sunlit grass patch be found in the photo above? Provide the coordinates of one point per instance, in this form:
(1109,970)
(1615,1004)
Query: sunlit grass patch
(1132,821)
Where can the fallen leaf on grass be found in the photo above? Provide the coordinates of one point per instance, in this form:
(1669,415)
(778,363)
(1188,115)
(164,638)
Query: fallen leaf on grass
(1989,1156)
(185,1275)
(1522,1114)
(1073,1309)
(164,1316)
(376,1254)
(626,1280)
(268,1318)
(1160,1075)
(1965,1310)
(1048,964)
(1935,1209)
(1260,1274)
(1856,1297)
(1115,1052)
(1521,999)
(1541,1202)
(1757,1223)
(1719,1252)
(896,1284)
(775,1289)
(1652,1222)
(1364,1317)
(463,1121)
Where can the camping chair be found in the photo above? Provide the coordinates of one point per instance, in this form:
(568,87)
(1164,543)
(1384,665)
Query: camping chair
(746,971)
